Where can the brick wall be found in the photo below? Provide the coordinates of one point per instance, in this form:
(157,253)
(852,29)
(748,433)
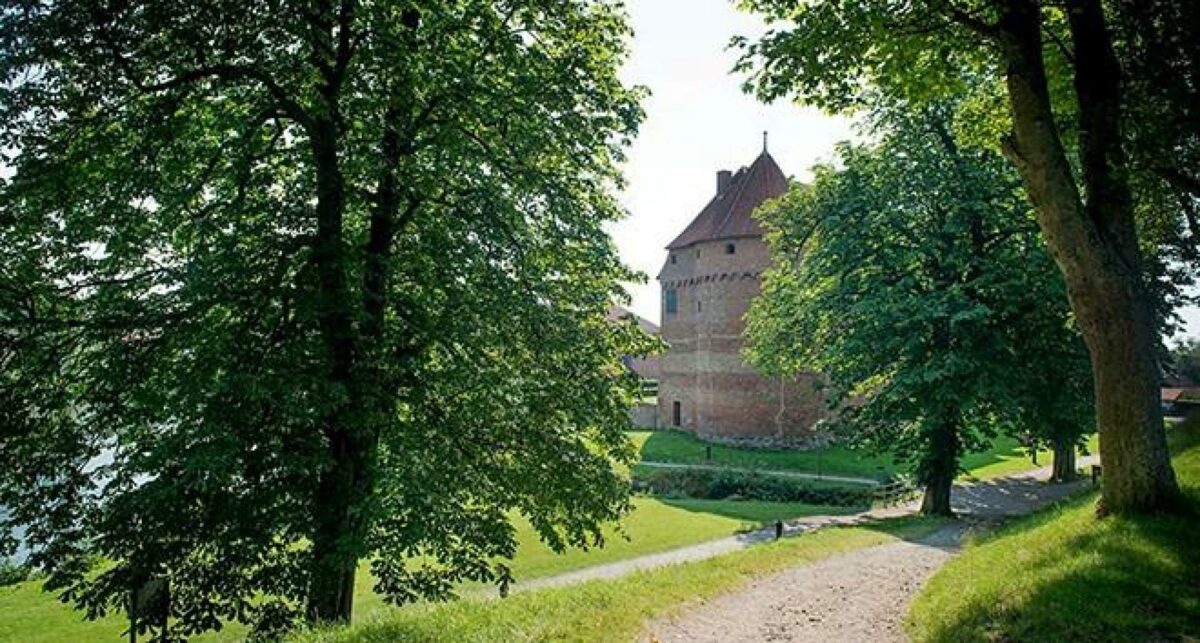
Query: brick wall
(703,370)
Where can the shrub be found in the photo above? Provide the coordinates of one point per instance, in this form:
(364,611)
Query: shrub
(713,484)
(12,573)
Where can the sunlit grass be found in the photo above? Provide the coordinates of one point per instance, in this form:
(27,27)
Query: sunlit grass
(1005,457)
(1066,575)
(615,610)
(29,614)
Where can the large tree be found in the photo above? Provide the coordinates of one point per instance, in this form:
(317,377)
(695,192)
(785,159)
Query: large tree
(831,51)
(289,285)
(913,278)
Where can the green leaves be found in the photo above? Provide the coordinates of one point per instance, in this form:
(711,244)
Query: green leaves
(914,279)
(252,250)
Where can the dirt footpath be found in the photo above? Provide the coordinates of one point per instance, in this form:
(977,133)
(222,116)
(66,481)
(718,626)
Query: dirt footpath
(860,595)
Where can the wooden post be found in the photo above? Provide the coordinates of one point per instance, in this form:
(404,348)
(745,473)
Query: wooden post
(778,529)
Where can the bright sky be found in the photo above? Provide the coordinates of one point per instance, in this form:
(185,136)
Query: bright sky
(698,121)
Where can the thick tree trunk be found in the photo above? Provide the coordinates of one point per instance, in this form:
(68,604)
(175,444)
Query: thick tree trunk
(1064,461)
(940,469)
(342,503)
(336,535)
(1094,245)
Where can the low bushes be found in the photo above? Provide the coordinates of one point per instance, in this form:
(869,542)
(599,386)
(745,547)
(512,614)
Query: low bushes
(12,573)
(711,484)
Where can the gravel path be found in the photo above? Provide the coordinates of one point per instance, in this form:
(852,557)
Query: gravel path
(860,595)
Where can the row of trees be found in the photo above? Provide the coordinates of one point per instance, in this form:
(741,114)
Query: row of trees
(287,286)
(1093,104)
(916,275)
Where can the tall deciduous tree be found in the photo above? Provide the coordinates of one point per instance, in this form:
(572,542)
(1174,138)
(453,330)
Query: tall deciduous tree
(914,279)
(289,285)
(937,47)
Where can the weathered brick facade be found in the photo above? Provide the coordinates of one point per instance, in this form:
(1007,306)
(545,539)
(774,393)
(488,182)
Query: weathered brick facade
(711,275)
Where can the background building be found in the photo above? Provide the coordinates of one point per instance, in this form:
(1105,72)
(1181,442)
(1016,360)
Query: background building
(712,273)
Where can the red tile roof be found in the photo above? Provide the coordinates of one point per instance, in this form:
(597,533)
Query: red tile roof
(616,312)
(728,215)
(1190,395)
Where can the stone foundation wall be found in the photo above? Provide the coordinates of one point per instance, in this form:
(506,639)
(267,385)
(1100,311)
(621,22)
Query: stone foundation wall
(644,415)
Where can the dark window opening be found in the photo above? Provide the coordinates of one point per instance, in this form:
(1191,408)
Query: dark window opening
(697,305)
(672,301)
(674,258)
(676,414)
(730,249)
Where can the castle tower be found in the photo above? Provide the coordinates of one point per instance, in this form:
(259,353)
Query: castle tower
(712,273)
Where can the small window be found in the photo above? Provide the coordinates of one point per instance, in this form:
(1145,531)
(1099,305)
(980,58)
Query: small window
(697,305)
(674,258)
(676,414)
(697,252)
(730,248)
(671,301)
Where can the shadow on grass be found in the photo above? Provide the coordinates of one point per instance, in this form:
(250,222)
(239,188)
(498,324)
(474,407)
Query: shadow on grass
(1064,574)
(1127,580)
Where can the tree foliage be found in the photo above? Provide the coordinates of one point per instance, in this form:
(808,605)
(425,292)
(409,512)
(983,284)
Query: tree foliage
(1066,76)
(912,276)
(287,286)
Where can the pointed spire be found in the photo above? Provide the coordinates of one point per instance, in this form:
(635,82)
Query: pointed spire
(764,141)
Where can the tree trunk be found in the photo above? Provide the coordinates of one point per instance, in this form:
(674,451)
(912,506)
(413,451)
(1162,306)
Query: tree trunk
(1094,245)
(337,529)
(335,548)
(1064,461)
(342,503)
(940,468)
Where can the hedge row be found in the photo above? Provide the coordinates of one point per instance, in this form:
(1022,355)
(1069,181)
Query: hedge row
(712,484)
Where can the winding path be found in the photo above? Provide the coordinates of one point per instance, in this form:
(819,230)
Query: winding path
(990,499)
(860,595)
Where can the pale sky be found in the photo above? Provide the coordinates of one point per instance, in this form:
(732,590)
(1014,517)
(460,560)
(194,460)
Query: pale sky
(699,121)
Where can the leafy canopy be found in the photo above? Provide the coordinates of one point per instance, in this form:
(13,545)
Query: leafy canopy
(251,247)
(912,276)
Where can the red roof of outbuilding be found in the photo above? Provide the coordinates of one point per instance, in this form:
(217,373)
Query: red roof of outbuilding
(1188,395)
(728,215)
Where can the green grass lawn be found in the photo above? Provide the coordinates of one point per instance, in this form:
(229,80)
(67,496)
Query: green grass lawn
(1064,575)
(615,610)
(1005,457)
(29,614)
(676,446)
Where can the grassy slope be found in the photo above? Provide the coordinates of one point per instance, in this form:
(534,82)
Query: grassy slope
(28,614)
(1005,457)
(1063,574)
(610,610)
